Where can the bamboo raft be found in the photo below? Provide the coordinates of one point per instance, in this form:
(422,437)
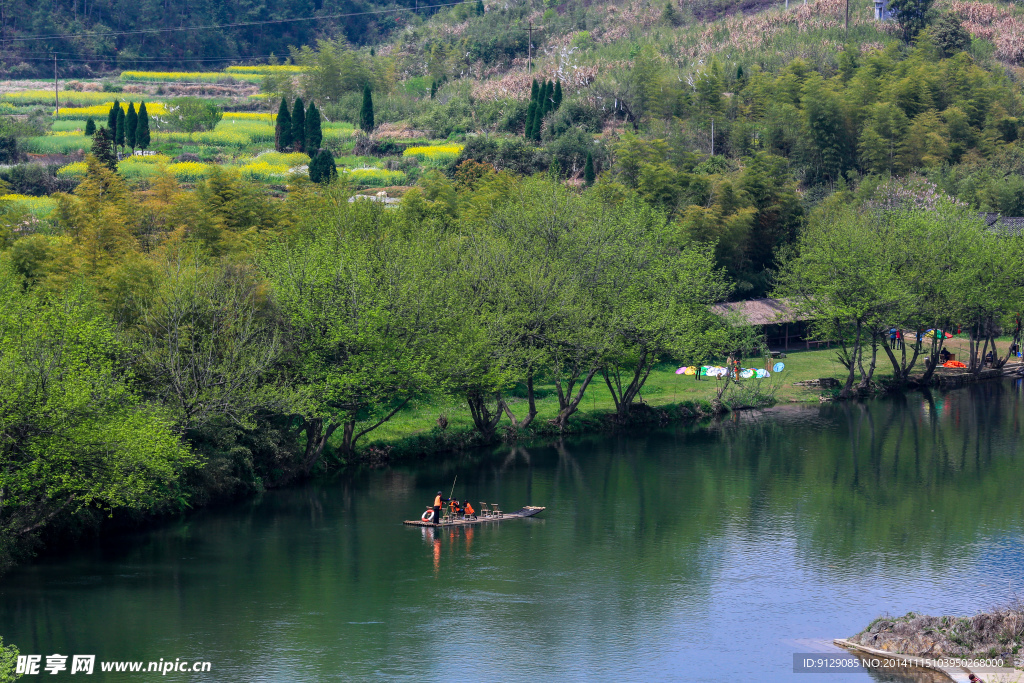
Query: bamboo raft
(528,511)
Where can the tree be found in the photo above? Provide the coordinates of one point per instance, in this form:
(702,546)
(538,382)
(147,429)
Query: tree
(670,15)
(588,171)
(142,137)
(131,126)
(366,113)
(283,128)
(558,94)
(480,8)
(314,135)
(8,661)
(299,125)
(950,36)
(205,343)
(357,297)
(911,16)
(531,119)
(90,127)
(433,89)
(119,132)
(322,168)
(826,124)
(192,114)
(73,432)
(102,149)
(112,116)
(654,302)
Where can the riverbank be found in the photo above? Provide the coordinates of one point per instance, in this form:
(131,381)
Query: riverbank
(430,425)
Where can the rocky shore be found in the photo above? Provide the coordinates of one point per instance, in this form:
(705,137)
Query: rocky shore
(987,635)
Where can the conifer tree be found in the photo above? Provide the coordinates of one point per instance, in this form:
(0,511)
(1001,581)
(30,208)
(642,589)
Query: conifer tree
(321,167)
(433,89)
(366,114)
(299,125)
(112,118)
(142,129)
(558,94)
(314,135)
(283,128)
(531,115)
(479,7)
(131,126)
(534,91)
(119,132)
(101,149)
(549,93)
(588,171)
(90,127)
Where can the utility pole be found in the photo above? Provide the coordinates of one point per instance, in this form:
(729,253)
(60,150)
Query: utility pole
(529,47)
(56,91)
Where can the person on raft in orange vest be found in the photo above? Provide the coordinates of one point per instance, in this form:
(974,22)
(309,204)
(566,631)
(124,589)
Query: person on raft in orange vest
(469,509)
(439,500)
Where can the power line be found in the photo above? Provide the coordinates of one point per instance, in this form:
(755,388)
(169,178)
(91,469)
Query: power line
(241,24)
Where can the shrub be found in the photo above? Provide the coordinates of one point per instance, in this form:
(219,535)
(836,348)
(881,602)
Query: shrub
(35,180)
(192,114)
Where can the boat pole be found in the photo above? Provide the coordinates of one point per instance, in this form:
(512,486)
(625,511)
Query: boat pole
(453,487)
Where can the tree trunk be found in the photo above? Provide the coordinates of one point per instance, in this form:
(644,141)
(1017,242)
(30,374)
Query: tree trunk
(1016,342)
(316,439)
(854,355)
(567,403)
(485,421)
(901,370)
(932,361)
(865,380)
(623,397)
(532,412)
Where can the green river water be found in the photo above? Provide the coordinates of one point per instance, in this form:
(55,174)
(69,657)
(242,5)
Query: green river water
(704,552)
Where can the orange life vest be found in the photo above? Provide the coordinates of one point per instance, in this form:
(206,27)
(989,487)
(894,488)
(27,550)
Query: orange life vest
(469,509)
(437,501)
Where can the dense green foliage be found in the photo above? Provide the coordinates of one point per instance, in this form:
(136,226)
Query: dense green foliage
(910,258)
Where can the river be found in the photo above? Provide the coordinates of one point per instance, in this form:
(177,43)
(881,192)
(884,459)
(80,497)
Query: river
(706,552)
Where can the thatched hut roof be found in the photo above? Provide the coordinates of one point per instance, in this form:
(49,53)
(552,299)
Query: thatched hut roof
(760,311)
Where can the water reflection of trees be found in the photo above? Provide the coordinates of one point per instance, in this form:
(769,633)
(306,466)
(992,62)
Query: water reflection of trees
(912,476)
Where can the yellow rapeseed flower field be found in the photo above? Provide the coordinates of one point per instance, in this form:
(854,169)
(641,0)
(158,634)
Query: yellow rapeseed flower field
(100,110)
(187,76)
(37,206)
(189,171)
(249,116)
(266,69)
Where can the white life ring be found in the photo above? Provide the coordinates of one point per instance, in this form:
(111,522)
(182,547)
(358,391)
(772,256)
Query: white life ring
(428,515)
